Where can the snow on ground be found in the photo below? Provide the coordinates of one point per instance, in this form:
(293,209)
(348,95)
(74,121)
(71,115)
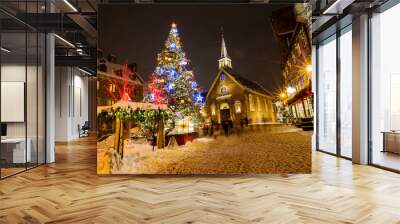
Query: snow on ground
(254,151)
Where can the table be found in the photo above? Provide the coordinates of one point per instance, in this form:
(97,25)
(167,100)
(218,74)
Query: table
(391,141)
(13,150)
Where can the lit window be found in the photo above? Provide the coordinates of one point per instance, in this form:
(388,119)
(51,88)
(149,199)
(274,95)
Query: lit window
(224,106)
(222,77)
(266,105)
(238,107)
(224,91)
(212,109)
(251,102)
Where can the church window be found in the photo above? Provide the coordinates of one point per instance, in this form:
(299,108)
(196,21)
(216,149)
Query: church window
(224,91)
(251,102)
(212,109)
(238,107)
(224,106)
(266,105)
(258,103)
(222,77)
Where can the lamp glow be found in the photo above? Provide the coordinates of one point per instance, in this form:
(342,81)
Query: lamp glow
(290,90)
(309,68)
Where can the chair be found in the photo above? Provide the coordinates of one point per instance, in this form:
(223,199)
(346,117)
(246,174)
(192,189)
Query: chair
(84,130)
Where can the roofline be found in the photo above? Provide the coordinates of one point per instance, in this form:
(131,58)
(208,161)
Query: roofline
(237,82)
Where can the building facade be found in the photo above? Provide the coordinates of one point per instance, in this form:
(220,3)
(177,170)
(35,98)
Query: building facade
(234,98)
(296,62)
(111,76)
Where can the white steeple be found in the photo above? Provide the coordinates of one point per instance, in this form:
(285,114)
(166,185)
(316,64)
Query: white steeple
(224,61)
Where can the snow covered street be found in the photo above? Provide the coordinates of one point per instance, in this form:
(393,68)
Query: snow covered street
(255,151)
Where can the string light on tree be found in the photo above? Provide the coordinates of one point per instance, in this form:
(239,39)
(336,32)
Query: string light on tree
(173,80)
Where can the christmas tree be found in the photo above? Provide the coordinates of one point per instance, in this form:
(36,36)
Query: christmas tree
(173,82)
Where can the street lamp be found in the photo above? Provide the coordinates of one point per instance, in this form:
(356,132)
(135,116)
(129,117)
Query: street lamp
(309,68)
(290,90)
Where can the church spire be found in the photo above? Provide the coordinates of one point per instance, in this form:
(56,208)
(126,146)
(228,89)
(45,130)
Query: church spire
(224,61)
(224,52)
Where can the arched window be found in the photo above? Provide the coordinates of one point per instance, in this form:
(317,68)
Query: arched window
(251,102)
(224,106)
(238,107)
(224,91)
(266,105)
(212,109)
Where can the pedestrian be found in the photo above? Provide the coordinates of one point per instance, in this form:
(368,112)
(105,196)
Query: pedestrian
(225,126)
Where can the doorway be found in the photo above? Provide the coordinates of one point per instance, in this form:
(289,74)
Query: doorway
(225,112)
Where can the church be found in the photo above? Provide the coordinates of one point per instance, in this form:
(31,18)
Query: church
(233,98)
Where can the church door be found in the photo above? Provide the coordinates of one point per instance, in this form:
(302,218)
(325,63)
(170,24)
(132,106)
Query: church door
(225,114)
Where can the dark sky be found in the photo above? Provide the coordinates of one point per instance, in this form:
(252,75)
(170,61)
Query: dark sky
(137,33)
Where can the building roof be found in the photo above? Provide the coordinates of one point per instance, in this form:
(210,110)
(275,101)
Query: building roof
(251,84)
(248,83)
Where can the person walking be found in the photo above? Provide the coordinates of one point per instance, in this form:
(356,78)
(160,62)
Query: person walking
(225,126)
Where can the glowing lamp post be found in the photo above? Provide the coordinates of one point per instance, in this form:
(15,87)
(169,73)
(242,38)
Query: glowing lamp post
(290,90)
(309,68)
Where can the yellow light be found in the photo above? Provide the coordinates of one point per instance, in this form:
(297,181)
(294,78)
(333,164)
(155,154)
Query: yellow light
(283,95)
(173,24)
(309,68)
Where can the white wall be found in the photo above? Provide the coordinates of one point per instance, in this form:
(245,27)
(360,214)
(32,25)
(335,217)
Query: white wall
(34,124)
(71,102)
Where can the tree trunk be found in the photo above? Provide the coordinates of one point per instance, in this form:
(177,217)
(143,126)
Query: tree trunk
(160,133)
(119,137)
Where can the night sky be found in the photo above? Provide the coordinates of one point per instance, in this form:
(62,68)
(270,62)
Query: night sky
(137,33)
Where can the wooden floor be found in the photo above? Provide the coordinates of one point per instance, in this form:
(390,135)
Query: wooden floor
(69,191)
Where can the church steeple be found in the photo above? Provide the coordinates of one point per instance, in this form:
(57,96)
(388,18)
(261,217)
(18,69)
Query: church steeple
(224,61)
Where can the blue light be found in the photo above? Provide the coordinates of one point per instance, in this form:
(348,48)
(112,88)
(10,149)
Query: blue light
(173,73)
(172,45)
(170,87)
(174,30)
(199,98)
(194,84)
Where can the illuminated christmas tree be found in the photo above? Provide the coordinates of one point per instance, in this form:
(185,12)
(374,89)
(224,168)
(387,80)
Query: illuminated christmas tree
(173,82)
